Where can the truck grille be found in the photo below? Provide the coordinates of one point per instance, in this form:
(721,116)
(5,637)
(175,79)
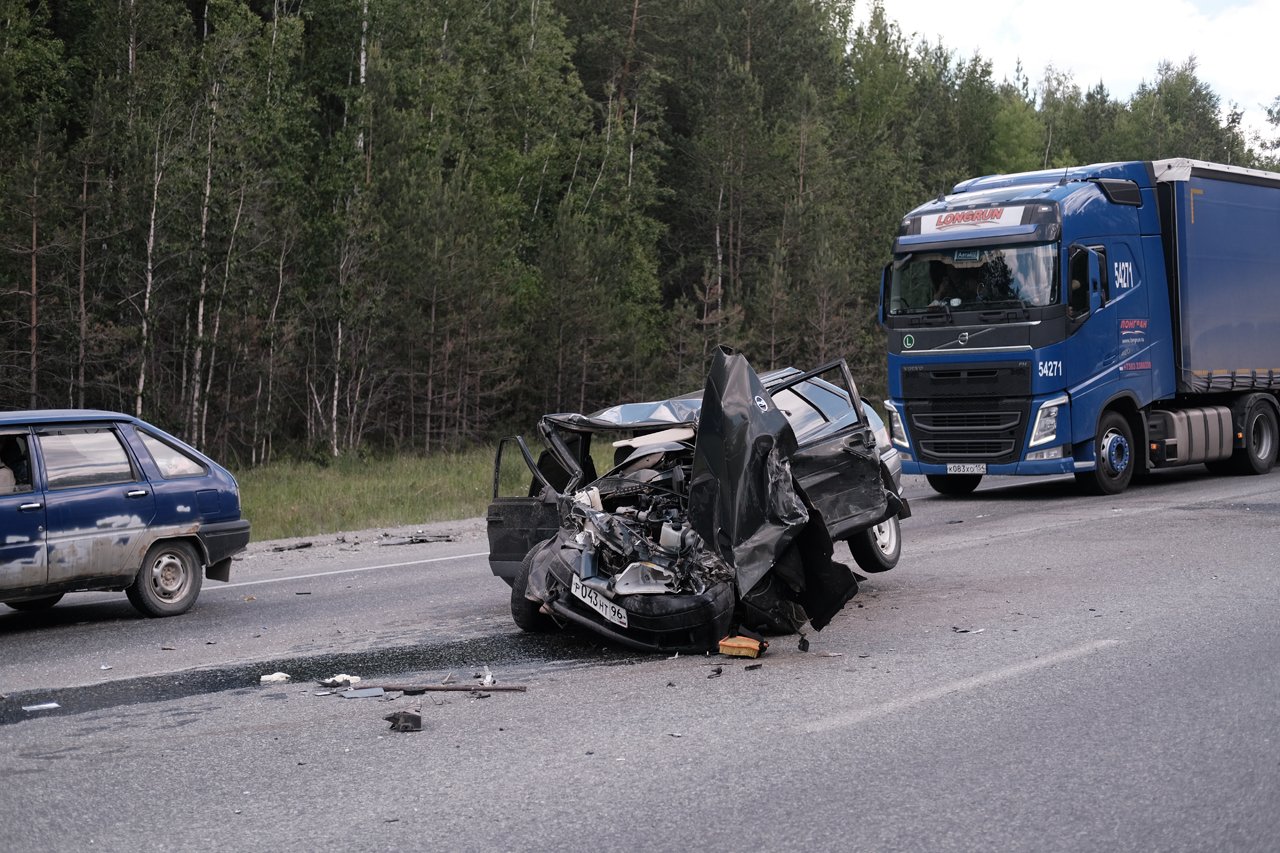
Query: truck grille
(973,430)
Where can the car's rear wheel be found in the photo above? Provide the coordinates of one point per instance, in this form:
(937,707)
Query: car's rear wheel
(33,604)
(168,582)
(527,614)
(878,548)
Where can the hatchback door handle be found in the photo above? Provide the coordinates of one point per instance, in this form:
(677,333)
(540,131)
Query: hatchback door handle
(29,507)
(136,493)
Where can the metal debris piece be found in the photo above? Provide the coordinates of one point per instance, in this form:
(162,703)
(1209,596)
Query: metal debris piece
(105,666)
(717,672)
(478,695)
(43,706)
(967,630)
(305,592)
(362,693)
(830,654)
(168,648)
(752,666)
(405,721)
(416,689)
(341,680)
(488,680)
(298,546)
(448,679)
(274,678)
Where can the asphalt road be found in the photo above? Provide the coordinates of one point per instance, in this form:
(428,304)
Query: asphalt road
(1042,671)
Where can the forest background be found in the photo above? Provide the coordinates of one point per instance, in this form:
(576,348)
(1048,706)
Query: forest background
(311,228)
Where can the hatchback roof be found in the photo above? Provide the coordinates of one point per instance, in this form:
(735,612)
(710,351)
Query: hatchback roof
(45,416)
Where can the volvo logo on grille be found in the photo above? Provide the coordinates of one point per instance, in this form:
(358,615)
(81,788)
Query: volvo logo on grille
(963,339)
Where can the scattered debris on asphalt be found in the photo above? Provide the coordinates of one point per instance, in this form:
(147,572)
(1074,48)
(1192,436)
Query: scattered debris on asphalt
(487,679)
(168,648)
(43,706)
(405,721)
(967,630)
(274,678)
(418,539)
(297,546)
(342,680)
(752,666)
(717,672)
(105,666)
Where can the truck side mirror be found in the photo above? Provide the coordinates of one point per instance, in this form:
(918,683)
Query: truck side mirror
(1095,281)
(886,273)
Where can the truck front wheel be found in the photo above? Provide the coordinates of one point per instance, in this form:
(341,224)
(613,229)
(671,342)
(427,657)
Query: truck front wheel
(954,484)
(1113,457)
(1260,441)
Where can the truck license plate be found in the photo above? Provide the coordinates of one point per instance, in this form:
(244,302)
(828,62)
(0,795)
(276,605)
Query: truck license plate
(966,467)
(599,603)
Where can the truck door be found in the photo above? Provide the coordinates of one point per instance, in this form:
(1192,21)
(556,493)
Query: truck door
(1095,334)
(22,515)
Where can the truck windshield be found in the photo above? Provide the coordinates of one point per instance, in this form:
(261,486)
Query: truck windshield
(977,279)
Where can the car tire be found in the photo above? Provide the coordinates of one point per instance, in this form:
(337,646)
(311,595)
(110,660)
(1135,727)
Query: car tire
(878,548)
(34,604)
(527,614)
(168,582)
(954,484)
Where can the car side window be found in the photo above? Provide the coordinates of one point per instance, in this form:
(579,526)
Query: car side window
(15,464)
(171,461)
(84,457)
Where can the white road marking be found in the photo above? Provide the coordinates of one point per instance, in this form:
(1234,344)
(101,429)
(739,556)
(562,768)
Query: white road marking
(861,715)
(344,571)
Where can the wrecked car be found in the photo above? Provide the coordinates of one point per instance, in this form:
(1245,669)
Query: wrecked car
(93,500)
(717,512)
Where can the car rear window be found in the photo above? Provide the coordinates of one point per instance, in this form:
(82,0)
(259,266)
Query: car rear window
(171,461)
(84,457)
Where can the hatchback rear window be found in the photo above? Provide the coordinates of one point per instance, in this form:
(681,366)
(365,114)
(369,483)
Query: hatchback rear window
(87,457)
(171,461)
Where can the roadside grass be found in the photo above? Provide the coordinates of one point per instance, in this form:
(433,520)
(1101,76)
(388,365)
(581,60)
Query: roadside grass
(287,499)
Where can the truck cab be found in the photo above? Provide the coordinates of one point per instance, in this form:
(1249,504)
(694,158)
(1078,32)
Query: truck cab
(1019,308)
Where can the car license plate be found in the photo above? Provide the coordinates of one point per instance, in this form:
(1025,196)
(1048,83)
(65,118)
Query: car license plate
(966,467)
(599,603)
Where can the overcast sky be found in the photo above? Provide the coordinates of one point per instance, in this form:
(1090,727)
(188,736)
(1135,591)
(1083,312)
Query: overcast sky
(1236,43)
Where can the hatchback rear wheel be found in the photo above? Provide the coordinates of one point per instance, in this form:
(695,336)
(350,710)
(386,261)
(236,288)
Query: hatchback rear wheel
(168,582)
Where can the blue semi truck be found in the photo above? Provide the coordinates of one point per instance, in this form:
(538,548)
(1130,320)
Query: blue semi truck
(1101,320)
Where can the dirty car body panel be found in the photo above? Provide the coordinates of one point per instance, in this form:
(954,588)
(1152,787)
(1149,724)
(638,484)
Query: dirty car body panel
(725,503)
(95,493)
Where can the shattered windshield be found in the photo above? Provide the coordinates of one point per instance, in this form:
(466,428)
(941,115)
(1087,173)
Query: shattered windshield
(976,278)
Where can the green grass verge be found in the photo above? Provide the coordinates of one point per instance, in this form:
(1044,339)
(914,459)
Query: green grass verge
(287,499)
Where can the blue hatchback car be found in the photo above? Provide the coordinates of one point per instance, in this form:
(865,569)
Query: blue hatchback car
(94,500)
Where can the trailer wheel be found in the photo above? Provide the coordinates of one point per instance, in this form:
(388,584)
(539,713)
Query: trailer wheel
(1261,439)
(1113,452)
(954,484)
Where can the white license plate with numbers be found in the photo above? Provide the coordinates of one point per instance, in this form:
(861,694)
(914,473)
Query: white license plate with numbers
(966,467)
(599,603)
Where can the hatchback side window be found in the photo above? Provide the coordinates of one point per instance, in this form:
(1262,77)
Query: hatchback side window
(15,464)
(87,457)
(171,461)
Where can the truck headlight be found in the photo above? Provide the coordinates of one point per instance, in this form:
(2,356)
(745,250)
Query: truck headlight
(897,434)
(1046,428)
